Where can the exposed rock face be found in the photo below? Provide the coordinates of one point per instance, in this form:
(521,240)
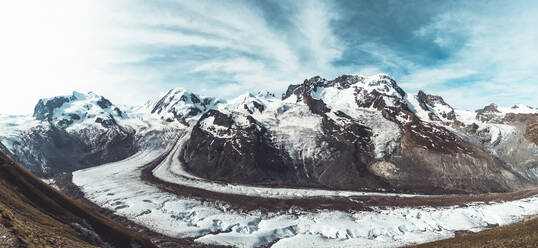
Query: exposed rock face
(248,157)
(45,108)
(507,134)
(530,122)
(49,150)
(439,109)
(445,163)
(487,113)
(531,131)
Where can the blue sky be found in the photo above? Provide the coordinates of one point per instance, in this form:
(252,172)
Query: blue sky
(470,52)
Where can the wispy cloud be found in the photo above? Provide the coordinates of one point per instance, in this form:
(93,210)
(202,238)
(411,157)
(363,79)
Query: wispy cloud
(497,60)
(471,53)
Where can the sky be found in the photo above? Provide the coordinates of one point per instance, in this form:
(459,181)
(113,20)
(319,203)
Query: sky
(471,53)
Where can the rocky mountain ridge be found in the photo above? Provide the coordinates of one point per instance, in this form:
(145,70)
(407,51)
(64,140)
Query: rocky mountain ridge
(365,133)
(352,132)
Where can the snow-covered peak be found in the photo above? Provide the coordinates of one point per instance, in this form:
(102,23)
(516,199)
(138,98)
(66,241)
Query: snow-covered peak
(430,107)
(491,108)
(519,109)
(225,125)
(383,84)
(249,103)
(265,94)
(379,84)
(66,111)
(493,111)
(180,104)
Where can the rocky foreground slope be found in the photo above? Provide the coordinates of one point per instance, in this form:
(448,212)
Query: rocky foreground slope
(33,214)
(352,132)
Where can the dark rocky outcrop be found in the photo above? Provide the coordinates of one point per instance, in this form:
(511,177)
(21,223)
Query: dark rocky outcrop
(530,122)
(487,113)
(49,150)
(428,102)
(104,103)
(45,108)
(432,159)
(246,155)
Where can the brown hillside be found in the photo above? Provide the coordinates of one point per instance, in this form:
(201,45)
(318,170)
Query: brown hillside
(33,214)
(520,235)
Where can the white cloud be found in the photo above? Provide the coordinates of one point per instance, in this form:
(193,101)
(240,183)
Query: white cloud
(500,50)
(426,77)
(313,21)
(54,47)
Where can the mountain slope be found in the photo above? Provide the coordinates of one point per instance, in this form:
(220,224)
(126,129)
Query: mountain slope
(353,132)
(40,216)
(67,133)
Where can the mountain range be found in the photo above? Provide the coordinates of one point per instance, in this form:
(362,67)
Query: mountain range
(351,132)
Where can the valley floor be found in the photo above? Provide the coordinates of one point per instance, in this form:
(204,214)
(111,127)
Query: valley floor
(130,189)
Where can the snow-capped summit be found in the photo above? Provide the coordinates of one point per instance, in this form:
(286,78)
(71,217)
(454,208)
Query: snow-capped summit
(249,103)
(431,107)
(351,90)
(65,111)
(494,112)
(265,94)
(519,109)
(180,104)
(491,108)
(516,109)
(380,83)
